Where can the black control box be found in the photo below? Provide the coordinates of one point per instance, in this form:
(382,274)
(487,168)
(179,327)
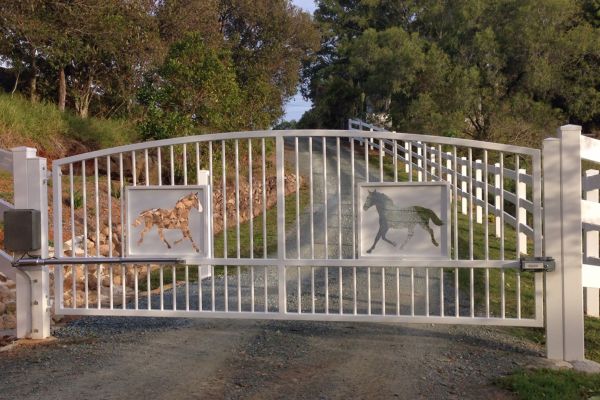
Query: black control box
(22,230)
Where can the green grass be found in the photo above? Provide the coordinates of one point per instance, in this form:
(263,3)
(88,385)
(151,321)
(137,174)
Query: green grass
(549,384)
(552,385)
(42,125)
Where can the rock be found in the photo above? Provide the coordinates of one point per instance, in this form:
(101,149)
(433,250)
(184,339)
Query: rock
(105,281)
(552,364)
(104,250)
(3,278)
(588,366)
(10,284)
(2,308)
(10,321)
(5,292)
(11,307)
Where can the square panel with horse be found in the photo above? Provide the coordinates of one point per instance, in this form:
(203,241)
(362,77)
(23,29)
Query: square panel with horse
(168,221)
(404,220)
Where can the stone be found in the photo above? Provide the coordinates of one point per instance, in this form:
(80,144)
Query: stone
(11,307)
(10,321)
(552,364)
(2,308)
(3,277)
(588,366)
(104,250)
(10,284)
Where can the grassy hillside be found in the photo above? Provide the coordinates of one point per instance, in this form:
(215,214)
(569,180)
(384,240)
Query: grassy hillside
(56,134)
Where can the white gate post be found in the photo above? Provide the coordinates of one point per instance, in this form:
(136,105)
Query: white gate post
(592,294)
(562,234)
(33,283)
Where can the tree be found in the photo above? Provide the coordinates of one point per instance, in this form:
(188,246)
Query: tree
(193,92)
(491,70)
(23,32)
(267,40)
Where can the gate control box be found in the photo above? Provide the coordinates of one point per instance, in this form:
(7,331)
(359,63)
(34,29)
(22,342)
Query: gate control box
(22,230)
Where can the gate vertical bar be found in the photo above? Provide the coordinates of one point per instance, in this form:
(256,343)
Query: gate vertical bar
(281,292)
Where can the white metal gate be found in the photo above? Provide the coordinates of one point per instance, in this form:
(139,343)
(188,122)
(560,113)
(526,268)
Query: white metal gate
(284,217)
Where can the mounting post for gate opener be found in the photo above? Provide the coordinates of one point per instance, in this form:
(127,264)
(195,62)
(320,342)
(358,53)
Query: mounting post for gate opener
(33,286)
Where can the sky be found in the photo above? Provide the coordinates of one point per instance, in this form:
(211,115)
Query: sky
(297,105)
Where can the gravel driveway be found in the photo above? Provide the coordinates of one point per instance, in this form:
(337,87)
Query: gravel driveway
(123,358)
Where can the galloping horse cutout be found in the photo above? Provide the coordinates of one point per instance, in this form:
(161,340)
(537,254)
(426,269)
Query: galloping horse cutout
(175,218)
(392,217)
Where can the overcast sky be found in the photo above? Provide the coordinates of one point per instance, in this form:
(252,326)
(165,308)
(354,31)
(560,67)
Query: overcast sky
(297,106)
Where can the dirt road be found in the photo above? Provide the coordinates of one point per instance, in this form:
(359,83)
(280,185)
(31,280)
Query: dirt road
(107,358)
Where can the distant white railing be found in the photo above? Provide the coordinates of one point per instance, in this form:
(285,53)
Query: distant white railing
(431,163)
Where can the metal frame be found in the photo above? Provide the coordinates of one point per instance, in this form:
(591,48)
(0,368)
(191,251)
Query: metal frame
(205,196)
(404,184)
(329,266)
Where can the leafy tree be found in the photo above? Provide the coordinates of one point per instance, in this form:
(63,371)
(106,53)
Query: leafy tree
(492,70)
(194,91)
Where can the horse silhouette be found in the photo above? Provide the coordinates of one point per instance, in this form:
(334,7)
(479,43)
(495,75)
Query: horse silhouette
(393,217)
(174,218)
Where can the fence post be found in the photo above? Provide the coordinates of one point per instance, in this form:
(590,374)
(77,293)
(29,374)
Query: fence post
(478,191)
(419,162)
(33,283)
(554,313)
(563,241)
(463,184)
(522,212)
(497,208)
(592,300)
(449,168)
(432,168)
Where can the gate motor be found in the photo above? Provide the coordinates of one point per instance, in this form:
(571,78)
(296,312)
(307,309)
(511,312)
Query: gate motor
(22,230)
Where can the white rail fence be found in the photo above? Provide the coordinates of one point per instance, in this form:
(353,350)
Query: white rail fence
(590,218)
(430,163)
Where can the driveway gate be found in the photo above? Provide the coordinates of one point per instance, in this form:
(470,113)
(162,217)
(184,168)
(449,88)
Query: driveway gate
(287,229)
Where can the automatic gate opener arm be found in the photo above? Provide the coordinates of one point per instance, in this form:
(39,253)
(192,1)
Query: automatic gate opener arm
(32,262)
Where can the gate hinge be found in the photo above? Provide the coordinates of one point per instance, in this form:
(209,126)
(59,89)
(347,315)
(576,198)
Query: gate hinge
(537,264)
